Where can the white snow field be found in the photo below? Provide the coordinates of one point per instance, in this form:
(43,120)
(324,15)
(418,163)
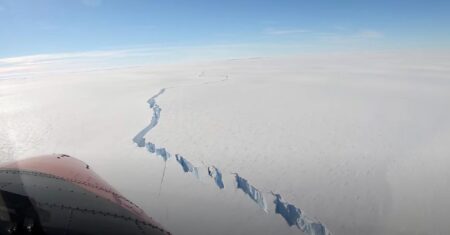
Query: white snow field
(343,144)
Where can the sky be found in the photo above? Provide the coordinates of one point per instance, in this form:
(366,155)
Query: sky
(34,27)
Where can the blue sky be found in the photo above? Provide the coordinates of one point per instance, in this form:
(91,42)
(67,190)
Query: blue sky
(29,27)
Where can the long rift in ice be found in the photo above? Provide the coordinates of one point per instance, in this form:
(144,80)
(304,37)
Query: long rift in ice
(290,213)
(139,139)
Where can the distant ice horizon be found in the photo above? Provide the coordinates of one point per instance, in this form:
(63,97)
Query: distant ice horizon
(28,66)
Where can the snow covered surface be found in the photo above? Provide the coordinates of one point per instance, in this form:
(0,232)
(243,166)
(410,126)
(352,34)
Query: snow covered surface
(357,143)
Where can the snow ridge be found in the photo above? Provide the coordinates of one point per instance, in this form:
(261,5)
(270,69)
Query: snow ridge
(290,213)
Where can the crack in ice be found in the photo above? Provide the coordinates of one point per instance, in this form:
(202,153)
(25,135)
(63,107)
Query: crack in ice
(251,191)
(290,213)
(215,173)
(294,216)
(186,165)
(139,139)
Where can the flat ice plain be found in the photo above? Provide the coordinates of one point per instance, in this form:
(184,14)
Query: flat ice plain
(359,142)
